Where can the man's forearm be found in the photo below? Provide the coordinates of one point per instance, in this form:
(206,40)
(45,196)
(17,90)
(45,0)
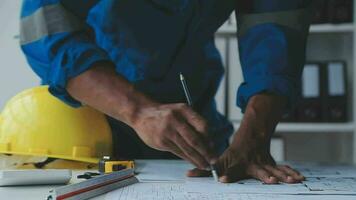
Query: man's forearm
(166,127)
(103,89)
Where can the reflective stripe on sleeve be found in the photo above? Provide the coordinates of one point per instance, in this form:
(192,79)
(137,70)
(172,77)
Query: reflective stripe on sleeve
(46,21)
(295,19)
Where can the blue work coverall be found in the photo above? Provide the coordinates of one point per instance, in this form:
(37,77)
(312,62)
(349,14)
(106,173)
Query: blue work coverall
(151,41)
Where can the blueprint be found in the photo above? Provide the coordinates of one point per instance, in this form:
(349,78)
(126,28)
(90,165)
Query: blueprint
(332,185)
(207,185)
(165,180)
(170,191)
(327,171)
(147,191)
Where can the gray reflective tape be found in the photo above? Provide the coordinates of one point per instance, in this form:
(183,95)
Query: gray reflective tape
(296,19)
(46,21)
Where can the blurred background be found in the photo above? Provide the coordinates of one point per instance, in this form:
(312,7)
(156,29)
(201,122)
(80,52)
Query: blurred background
(321,128)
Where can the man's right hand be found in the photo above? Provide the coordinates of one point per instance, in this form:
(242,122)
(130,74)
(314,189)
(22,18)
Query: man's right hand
(175,128)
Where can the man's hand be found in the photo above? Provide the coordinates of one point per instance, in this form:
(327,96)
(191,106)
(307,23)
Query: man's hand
(242,163)
(249,154)
(234,166)
(175,128)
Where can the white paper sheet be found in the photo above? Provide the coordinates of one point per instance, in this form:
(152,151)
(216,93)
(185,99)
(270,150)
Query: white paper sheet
(162,170)
(165,180)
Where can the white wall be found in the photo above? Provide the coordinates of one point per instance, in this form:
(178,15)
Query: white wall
(15,74)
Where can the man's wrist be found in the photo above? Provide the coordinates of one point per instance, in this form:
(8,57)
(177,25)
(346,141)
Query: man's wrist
(135,102)
(262,115)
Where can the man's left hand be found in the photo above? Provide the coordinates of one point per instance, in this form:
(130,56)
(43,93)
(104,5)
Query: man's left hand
(238,164)
(249,153)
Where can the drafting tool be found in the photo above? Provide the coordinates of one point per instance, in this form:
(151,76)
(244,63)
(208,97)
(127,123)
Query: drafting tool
(94,186)
(35,177)
(190,103)
(108,165)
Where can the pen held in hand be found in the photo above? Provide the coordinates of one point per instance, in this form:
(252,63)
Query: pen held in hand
(190,103)
(186,90)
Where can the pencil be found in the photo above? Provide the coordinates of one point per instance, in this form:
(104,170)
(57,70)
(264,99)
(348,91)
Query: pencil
(186,90)
(190,103)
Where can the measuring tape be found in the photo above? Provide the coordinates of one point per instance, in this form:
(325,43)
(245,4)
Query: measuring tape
(109,165)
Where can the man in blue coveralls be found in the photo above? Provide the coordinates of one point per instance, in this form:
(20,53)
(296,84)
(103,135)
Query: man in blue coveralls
(123,58)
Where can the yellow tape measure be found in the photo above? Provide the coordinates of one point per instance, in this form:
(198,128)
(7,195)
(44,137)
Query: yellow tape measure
(108,165)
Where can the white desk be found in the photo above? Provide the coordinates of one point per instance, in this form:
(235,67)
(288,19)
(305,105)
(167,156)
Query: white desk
(172,173)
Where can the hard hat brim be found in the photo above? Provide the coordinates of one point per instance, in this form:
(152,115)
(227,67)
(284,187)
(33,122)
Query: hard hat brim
(81,159)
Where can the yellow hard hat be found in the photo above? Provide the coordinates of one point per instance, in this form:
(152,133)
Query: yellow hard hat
(38,124)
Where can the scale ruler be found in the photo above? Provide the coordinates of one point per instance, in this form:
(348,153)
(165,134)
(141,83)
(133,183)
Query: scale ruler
(94,187)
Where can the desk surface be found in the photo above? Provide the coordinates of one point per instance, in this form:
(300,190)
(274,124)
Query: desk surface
(168,182)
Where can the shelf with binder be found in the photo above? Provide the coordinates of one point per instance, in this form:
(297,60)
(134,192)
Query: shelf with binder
(333,55)
(323,94)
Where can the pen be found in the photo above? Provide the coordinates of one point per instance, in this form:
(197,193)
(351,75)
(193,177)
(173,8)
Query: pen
(190,103)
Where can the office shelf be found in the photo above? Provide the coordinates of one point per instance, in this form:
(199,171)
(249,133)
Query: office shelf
(312,127)
(332,28)
(317,28)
